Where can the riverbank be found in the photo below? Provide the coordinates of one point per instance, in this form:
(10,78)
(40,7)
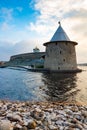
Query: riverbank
(42,116)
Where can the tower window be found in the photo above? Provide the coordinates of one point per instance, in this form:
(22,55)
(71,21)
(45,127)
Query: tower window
(60,52)
(64,60)
(66,43)
(56,43)
(47,54)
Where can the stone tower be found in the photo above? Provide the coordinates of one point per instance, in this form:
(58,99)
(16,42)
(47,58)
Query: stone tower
(60,52)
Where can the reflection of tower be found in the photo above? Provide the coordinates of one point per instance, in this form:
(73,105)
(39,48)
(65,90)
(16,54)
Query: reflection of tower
(60,87)
(60,52)
(35,50)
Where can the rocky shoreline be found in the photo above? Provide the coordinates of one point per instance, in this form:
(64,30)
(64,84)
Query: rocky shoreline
(42,116)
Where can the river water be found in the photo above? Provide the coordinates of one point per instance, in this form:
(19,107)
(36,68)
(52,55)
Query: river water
(23,85)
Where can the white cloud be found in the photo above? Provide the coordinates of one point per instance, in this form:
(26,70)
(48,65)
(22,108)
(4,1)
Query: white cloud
(23,46)
(57,8)
(6,14)
(26,46)
(82,53)
(5,50)
(5,26)
(8,49)
(52,11)
(39,28)
(73,15)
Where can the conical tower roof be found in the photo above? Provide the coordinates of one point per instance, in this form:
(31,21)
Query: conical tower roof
(60,35)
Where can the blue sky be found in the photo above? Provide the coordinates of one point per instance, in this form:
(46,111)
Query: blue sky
(25,24)
(21,9)
(14,16)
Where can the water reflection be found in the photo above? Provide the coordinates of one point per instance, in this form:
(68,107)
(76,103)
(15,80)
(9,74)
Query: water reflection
(25,85)
(60,87)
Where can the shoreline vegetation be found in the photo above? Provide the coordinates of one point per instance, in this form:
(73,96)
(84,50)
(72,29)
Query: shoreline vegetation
(26,115)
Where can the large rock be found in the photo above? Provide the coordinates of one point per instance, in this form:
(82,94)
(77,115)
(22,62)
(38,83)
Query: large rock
(5,125)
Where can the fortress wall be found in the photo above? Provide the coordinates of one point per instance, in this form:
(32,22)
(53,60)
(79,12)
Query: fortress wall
(26,58)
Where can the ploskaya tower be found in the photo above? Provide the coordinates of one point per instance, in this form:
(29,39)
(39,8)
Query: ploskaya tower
(60,52)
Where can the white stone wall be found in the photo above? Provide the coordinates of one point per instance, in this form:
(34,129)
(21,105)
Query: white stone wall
(60,56)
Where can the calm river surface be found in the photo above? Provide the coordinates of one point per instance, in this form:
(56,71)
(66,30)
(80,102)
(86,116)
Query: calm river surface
(24,85)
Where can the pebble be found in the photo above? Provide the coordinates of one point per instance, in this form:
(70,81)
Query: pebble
(84,113)
(42,116)
(51,127)
(31,124)
(14,117)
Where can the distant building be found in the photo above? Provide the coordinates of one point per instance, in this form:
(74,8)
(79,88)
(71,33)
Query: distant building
(60,52)
(35,50)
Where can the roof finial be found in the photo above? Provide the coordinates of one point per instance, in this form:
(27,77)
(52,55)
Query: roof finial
(59,23)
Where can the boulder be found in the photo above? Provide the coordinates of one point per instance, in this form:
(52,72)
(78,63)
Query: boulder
(5,125)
